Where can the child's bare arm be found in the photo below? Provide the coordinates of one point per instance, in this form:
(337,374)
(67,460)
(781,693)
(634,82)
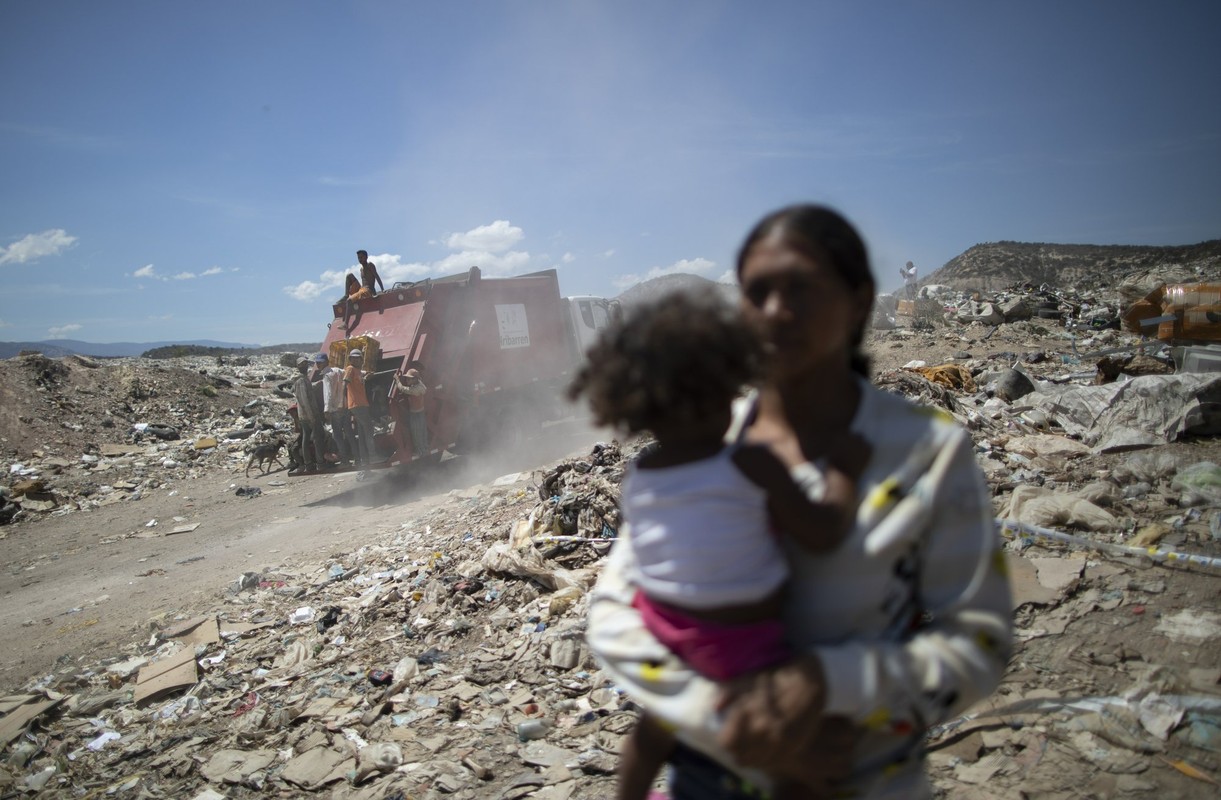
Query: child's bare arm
(641,757)
(818,526)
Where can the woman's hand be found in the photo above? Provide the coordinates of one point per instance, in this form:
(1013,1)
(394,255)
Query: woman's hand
(774,722)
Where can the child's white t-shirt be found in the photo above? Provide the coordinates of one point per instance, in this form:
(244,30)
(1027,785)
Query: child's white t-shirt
(701,536)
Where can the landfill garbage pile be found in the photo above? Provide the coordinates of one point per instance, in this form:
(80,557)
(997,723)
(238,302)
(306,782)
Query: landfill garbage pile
(81,434)
(449,659)
(445,657)
(1100,447)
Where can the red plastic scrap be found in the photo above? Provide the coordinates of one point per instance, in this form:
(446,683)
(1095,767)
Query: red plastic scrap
(252,700)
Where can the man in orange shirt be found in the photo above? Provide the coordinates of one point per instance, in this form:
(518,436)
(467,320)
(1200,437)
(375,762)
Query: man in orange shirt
(358,405)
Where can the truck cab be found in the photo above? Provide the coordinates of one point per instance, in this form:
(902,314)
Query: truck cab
(587,316)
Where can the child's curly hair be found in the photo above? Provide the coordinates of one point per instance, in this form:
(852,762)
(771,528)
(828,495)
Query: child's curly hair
(682,356)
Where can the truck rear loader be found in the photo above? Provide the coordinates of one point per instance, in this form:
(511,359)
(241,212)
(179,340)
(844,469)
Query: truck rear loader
(494,353)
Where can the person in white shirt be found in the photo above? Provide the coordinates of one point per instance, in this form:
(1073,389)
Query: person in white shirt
(333,407)
(908,271)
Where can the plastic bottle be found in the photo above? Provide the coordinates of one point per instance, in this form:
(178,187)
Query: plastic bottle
(533,729)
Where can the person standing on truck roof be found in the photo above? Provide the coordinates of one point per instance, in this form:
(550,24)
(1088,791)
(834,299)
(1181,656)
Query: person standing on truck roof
(334,408)
(358,405)
(368,275)
(309,410)
(369,285)
(412,386)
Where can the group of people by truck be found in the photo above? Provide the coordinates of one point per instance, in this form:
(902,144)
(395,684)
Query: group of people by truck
(338,398)
(333,415)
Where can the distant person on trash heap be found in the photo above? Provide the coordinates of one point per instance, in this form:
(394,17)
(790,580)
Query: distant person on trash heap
(411,385)
(309,411)
(334,408)
(909,272)
(709,567)
(358,405)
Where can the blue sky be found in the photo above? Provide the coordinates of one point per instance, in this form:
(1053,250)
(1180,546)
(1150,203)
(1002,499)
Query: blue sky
(208,170)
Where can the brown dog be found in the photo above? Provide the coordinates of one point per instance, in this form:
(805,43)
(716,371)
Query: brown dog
(264,455)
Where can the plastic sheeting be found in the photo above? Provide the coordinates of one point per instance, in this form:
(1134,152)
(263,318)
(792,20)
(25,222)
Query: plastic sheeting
(1141,412)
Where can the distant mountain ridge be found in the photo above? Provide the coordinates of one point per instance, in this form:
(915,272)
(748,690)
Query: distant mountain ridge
(57,348)
(996,265)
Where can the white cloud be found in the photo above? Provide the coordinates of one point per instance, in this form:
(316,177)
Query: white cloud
(392,269)
(37,245)
(311,290)
(609,253)
(690,266)
(729,276)
(494,238)
(568,258)
(149,272)
(4,324)
(62,331)
(162,318)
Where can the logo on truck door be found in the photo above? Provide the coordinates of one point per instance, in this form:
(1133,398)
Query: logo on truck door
(514,330)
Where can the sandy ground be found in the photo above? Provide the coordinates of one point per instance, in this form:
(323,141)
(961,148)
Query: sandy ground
(79,587)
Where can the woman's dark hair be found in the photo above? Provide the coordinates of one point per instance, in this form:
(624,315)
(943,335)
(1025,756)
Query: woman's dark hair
(683,356)
(823,235)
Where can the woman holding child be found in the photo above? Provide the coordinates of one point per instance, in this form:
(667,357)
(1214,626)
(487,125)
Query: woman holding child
(897,624)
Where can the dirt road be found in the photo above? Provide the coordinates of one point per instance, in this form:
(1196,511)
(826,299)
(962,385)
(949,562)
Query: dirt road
(80,587)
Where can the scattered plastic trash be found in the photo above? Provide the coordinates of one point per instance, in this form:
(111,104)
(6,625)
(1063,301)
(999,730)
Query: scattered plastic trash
(301,616)
(533,729)
(1200,481)
(102,740)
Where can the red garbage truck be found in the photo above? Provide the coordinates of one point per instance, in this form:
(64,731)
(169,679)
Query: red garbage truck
(494,354)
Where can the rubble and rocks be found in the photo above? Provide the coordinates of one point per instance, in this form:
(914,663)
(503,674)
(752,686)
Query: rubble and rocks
(95,433)
(445,657)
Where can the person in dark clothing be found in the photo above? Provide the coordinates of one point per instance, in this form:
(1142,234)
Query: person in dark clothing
(368,274)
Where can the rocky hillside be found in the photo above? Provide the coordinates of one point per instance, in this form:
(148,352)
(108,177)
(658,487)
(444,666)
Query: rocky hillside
(995,265)
(678,282)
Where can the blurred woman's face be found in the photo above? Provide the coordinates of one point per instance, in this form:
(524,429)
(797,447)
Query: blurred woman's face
(805,312)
